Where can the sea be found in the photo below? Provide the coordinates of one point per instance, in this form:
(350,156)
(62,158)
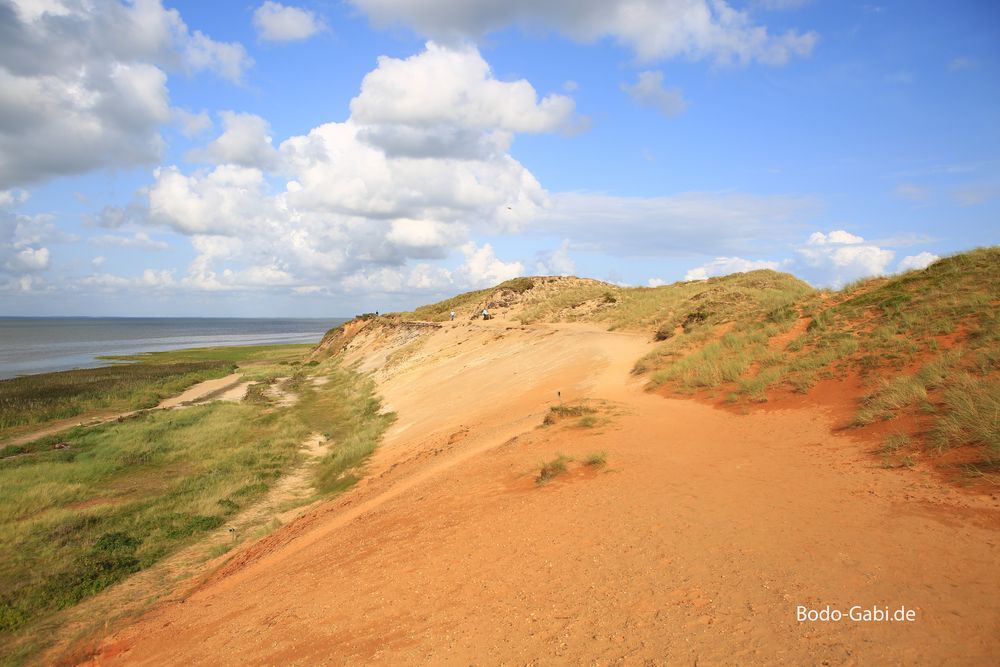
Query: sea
(46,344)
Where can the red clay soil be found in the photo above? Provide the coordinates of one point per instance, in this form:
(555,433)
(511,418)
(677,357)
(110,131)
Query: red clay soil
(695,544)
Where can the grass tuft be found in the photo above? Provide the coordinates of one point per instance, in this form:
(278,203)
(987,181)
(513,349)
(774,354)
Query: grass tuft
(971,415)
(552,469)
(562,411)
(889,397)
(349,403)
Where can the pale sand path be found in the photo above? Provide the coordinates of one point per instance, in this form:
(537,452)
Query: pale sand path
(693,546)
(203,390)
(229,388)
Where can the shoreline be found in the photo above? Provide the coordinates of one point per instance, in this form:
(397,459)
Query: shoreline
(35,346)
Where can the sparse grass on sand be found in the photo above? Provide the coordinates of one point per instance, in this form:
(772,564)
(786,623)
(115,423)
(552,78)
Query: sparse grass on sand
(552,469)
(970,415)
(85,509)
(347,411)
(926,343)
(136,382)
(563,411)
(596,459)
(257,393)
(889,396)
(909,339)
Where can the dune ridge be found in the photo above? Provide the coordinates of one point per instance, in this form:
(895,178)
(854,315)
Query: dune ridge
(696,541)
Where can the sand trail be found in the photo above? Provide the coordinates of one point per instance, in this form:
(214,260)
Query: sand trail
(694,544)
(228,388)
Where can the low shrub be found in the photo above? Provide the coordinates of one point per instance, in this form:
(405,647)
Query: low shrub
(552,469)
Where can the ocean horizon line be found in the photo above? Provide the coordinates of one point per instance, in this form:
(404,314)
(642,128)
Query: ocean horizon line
(169,317)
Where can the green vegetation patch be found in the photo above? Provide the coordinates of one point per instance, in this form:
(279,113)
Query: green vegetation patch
(348,412)
(926,343)
(117,498)
(552,469)
(141,383)
(690,306)
(517,285)
(563,411)
(236,354)
(34,399)
(970,415)
(567,304)
(85,509)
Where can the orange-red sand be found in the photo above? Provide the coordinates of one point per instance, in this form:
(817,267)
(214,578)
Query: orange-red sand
(694,544)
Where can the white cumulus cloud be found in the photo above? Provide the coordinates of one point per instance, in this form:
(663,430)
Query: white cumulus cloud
(29,259)
(428,277)
(453,85)
(694,29)
(192,124)
(648,91)
(22,252)
(918,261)
(354,208)
(83,84)
(276,22)
(840,257)
(12,198)
(245,140)
(723,266)
(482,268)
(558,262)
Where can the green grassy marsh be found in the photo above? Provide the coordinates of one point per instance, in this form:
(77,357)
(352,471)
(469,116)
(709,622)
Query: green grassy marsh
(133,383)
(88,507)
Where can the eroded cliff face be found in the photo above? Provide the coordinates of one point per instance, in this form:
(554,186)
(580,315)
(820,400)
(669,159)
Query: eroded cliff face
(336,339)
(373,344)
(541,299)
(679,546)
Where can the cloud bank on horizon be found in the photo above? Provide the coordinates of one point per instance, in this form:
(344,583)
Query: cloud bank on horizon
(171,158)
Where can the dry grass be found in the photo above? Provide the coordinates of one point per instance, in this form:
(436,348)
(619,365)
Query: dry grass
(889,397)
(84,510)
(970,415)
(558,413)
(552,469)
(732,336)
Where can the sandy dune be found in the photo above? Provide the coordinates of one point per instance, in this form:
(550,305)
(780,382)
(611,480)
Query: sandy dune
(228,388)
(693,545)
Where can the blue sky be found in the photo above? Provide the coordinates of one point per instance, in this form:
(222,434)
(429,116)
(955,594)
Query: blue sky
(322,158)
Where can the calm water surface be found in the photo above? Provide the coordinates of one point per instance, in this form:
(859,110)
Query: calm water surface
(45,344)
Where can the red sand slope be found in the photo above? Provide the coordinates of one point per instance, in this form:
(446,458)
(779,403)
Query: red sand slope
(693,545)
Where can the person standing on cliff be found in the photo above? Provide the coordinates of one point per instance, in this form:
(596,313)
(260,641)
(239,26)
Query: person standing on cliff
(486,314)
(453,316)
